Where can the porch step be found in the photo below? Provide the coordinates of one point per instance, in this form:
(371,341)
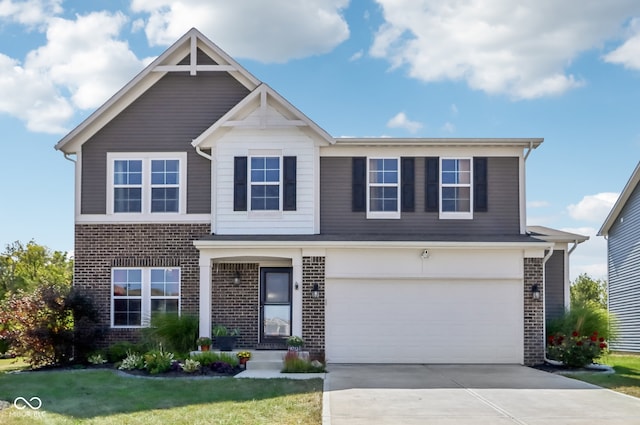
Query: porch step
(266,360)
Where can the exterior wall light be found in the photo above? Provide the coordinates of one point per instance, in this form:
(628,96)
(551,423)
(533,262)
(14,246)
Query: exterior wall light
(315,291)
(236,278)
(535,291)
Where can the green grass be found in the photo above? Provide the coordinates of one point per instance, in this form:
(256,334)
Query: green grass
(104,397)
(18,363)
(626,379)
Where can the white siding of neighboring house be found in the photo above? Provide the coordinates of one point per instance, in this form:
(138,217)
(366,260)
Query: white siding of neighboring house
(284,141)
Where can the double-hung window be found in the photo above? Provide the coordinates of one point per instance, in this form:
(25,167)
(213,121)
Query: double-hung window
(138,293)
(147,183)
(383,195)
(456,188)
(265,174)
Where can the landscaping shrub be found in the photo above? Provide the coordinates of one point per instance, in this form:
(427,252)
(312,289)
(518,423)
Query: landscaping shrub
(207,358)
(222,367)
(40,325)
(576,350)
(132,361)
(120,350)
(293,363)
(176,333)
(158,361)
(581,335)
(190,366)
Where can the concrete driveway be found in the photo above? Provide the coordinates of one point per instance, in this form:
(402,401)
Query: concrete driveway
(468,394)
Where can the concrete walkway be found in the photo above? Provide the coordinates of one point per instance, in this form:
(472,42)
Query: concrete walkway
(467,394)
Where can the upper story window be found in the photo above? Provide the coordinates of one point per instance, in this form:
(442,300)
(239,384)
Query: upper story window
(147,183)
(265,183)
(456,188)
(383,195)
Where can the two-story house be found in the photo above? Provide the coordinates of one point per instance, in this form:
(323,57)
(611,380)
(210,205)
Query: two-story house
(199,189)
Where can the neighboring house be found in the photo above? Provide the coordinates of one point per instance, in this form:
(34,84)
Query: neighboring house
(199,189)
(622,231)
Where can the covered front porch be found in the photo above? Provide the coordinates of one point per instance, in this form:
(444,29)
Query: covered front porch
(264,294)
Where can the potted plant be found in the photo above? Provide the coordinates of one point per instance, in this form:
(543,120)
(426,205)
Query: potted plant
(294,343)
(204,343)
(243,357)
(225,339)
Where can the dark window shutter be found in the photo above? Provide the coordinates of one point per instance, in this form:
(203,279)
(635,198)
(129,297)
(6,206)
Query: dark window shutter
(432,184)
(289,183)
(358,184)
(240,183)
(480,202)
(407,171)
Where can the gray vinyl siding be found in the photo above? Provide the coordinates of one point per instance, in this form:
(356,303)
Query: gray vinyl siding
(166,118)
(624,274)
(554,286)
(502,218)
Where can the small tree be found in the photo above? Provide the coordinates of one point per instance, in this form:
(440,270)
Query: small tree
(40,325)
(585,290)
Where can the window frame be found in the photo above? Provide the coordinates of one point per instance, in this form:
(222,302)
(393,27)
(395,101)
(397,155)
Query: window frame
(384,214)
(145,296)
(250,183)
(147,186)
(456,215)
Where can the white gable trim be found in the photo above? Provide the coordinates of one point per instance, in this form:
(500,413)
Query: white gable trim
(166,62)
(262,97)
(621,202)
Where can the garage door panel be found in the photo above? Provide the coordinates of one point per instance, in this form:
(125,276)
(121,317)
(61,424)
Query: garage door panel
(424,321)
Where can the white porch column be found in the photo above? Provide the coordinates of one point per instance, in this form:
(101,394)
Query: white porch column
(296,311)
(205,296)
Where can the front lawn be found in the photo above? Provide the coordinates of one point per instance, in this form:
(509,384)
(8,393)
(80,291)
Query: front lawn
(104,397)
(17,363)
(625,380)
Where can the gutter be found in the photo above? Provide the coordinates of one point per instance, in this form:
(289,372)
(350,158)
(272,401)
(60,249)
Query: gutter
(203,154)
(529,150)
(68,158)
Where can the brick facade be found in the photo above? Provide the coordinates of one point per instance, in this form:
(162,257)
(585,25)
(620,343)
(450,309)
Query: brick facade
(99,247)
(534,341)
(313,323)
(236,306)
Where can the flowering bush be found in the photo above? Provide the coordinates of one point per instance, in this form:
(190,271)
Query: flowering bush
(244,355)
(190,366)
(576,350)
(158,361)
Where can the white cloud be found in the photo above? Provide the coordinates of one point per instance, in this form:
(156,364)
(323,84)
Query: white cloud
(30,95)
(520,49)
(593,208)
(86,58)
(81,65)
(448,127)
(628,54)
(356,56)
(400,120)
(29,12)
(273,31)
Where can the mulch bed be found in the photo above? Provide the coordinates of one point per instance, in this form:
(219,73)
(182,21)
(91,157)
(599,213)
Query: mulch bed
(551,368)
(174,372)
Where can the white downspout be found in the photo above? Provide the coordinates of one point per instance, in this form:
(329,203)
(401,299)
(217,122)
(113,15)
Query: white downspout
(68,158)
(203,154)
(544,295)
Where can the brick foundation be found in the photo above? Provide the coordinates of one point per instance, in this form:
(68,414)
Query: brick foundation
(534,342)
(99,247)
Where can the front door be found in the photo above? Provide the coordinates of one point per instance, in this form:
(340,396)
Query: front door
(275,304)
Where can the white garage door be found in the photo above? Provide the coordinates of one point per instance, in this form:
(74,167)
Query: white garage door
(372,321)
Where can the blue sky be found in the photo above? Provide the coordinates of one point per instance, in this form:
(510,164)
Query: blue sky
(565,71)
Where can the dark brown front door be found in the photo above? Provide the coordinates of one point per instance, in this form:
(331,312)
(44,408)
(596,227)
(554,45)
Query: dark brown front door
(275,304)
